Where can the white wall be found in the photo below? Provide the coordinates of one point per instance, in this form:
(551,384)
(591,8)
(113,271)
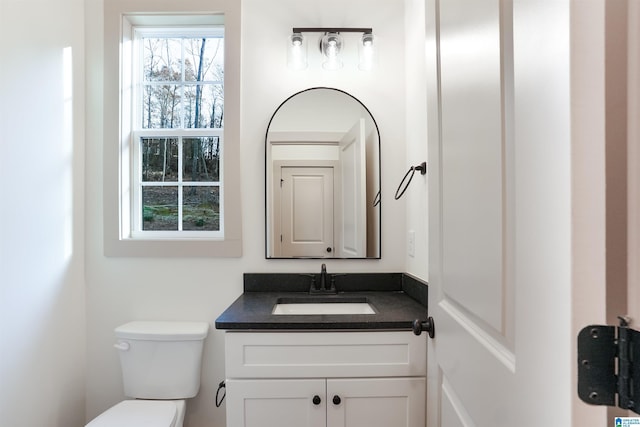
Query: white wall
(416,127)
(42,320)
(121,289)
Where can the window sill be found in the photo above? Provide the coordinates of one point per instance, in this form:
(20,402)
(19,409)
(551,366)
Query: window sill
(228,248)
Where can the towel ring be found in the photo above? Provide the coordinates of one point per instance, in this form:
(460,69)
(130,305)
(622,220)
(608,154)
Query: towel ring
(422,167)
(376,200)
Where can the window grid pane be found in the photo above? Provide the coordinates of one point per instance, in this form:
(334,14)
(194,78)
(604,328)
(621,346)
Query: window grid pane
(182,80)
(159,159)
(201,159)
(201,208)
(160,208)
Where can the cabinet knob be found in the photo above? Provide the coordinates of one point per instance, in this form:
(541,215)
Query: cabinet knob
(316,400)
(336,400)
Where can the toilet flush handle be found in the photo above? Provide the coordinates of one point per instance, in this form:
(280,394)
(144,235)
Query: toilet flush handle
(122,346)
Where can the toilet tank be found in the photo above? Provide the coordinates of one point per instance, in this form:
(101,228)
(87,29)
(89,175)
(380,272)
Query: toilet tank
(161,360)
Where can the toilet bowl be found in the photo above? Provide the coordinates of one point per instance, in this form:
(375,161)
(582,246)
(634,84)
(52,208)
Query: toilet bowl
(161,364)
(142,413)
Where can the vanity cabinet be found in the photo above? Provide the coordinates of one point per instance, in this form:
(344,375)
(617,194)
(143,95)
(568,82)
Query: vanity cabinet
(325,379)
(371,402)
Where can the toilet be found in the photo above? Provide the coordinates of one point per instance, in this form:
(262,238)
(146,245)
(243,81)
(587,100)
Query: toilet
(161,363)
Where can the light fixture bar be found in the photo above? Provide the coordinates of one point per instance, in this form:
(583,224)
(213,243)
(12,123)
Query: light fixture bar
(331,30)
(331,47)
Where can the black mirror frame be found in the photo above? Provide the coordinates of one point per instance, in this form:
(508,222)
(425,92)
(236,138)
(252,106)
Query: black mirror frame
(377,201)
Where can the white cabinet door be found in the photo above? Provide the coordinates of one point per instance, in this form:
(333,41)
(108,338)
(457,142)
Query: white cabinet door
(276,403)
(371,402)
(376,402)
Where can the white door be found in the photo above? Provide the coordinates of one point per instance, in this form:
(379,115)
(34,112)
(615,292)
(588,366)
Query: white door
(352,211)
(376,402)
(499,214)
(307,212)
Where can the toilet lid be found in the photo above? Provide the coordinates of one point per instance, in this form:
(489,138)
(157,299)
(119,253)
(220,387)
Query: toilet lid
(138,413)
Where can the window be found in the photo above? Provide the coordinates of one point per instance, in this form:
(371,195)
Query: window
(178,132)
(172,175)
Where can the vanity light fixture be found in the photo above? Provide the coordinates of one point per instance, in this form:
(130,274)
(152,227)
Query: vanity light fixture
(297,52)
(331,46)
(366,52)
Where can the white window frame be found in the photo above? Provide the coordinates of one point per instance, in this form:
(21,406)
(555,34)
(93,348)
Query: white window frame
(138,132)
(120,240)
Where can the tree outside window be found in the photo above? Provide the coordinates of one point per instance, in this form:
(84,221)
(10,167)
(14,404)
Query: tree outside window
(179,133)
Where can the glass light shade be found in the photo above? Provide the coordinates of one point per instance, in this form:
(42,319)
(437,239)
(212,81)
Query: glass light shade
(297,52)
(331,46)
(366,52)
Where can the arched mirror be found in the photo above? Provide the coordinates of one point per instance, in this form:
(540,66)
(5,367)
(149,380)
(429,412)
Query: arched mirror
(322,178)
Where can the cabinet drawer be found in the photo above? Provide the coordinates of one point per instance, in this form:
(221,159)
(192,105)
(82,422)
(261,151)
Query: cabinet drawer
(324,354)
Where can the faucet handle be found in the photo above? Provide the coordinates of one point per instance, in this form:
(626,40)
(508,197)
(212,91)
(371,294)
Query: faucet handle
(312,277)
(332,286)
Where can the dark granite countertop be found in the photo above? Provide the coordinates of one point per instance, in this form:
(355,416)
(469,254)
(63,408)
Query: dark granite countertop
(397,299)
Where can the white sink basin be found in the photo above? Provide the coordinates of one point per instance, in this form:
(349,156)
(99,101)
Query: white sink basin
(323,308)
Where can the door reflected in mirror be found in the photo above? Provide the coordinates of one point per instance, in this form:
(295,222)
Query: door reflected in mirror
(322,178)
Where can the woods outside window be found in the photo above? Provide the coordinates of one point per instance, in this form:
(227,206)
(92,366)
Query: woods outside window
(177,138)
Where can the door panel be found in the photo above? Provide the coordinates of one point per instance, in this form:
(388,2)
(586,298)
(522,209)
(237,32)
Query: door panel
(471,266)
(517,201)
(453,412)
(477,374)
(473,155)
(307,211)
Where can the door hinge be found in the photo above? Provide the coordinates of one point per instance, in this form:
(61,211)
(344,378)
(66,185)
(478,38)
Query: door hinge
(609,366)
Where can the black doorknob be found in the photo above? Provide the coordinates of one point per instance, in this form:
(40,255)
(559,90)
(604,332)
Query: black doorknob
(329,249)
(316,400)
(336,400)
(427,325)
